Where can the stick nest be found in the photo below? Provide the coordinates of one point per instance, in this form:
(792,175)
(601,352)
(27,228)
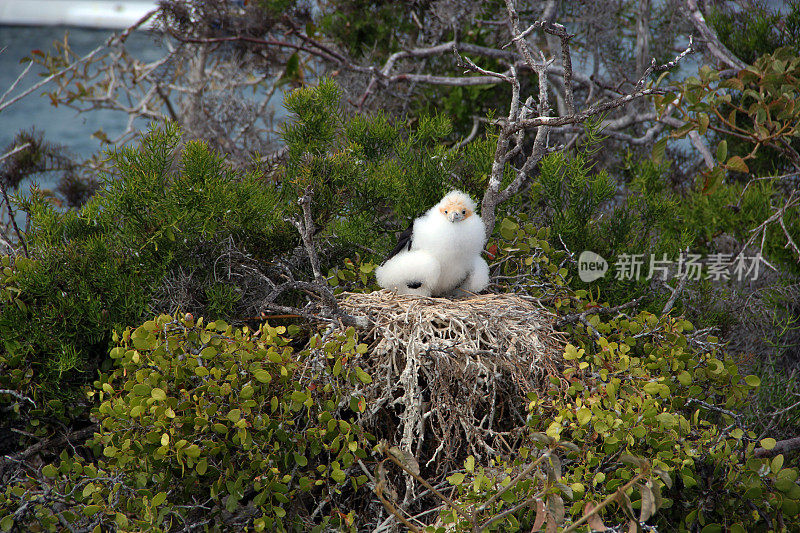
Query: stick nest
(450,377)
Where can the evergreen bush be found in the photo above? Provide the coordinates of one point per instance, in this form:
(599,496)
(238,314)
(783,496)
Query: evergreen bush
(96,269)
(174,227)
(207,425)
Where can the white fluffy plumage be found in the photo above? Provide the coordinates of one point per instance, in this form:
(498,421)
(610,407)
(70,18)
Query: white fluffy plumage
(443,253)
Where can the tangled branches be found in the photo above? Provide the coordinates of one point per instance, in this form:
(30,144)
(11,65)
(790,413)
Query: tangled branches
(450,377)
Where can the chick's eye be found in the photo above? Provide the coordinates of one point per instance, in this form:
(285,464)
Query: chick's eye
(445,211)
(463,211)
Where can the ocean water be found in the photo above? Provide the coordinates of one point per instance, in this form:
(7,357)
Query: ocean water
(60,125)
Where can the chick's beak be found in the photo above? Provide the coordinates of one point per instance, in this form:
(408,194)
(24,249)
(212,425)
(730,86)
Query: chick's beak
(455,216)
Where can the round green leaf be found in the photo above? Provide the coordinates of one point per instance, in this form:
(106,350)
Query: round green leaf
(338,475)
(753,381)
(768,443)
(91,510)
(50,471)
(159,498)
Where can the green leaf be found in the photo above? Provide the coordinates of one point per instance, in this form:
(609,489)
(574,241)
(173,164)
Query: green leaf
(363,376)
(667,420)
(158,394)
(7,523)
(658,150)
(91,510)
(292,69)
(88,490)
(753,381)
(784,485)
(768,443)
(702,119)
(508,229)
(358,404)
(50,471)
(263,376)
(456,479)
(652,388)
(338,475)
(737,163)
(141,389)
(722,151)
(193,451)
(571,352)
(777,464)
(121,520)
(159,498)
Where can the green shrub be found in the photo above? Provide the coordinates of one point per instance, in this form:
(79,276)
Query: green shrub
(174,227)
(757,29)
(98,268)
(208,425)
(205,422)
(643,390)
(647,386)
(750,121)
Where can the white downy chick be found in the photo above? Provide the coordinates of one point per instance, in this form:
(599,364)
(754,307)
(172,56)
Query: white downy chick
(450,234)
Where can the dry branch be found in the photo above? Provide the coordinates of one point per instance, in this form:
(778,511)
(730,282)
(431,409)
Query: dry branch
(781,447)
(715,46)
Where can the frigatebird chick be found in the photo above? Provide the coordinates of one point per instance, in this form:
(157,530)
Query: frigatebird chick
(440,252)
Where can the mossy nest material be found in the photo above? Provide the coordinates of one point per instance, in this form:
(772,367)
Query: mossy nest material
(450,377)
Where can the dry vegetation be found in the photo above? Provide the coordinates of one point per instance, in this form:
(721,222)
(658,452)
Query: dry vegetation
(451,376)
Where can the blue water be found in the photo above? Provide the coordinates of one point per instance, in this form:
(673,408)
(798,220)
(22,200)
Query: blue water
(60,125)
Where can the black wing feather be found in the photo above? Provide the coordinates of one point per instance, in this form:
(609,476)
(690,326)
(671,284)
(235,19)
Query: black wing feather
(403,241)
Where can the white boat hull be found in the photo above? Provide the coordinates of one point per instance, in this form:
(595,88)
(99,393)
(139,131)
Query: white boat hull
(111,14)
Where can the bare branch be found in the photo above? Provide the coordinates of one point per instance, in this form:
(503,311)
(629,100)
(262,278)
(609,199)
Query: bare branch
(679,289)
(777,216)
(14,151)
(12,217)
(469,138)
(642,34)
(54,442)
(16,82)
(781,447)
(17,395)
(700,143)
(113,39)
(570,319)
(305,226)
(715,46)
(666,66)
(467,63)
